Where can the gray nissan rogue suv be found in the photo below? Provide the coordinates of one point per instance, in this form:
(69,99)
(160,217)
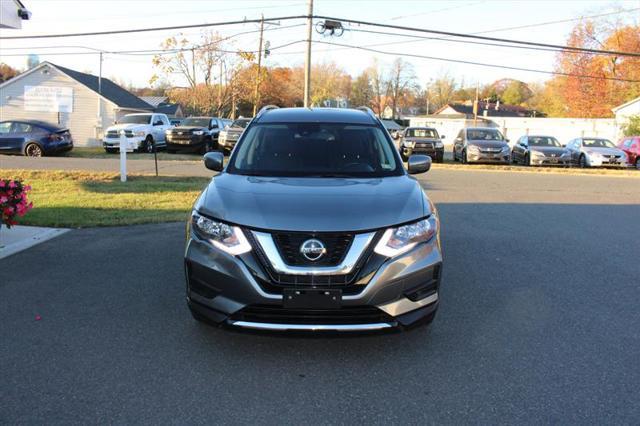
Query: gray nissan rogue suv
(314,224)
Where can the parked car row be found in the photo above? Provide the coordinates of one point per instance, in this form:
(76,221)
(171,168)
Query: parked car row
(488,145)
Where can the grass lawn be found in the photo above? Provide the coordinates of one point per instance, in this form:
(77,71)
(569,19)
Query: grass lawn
(82,152)
(84,199)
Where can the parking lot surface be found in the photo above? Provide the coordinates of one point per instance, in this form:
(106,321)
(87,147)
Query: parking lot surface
(538,323)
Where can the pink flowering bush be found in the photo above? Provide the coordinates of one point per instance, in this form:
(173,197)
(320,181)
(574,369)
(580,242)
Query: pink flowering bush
(13,201)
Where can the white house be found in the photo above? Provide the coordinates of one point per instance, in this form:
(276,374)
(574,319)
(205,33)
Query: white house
(12,13)
(83,103)
(624,111)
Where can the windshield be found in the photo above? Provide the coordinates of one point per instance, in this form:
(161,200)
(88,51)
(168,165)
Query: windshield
(196,122)
(484,134)
(597,143)
(543,141)
(315,150)
(240,123)
(135,119)
(421,133)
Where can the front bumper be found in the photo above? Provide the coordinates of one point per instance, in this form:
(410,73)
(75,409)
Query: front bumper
(483,157)
(433,153)
(194,142)
(605,162)
(133,143)
(550,161)
(237,291)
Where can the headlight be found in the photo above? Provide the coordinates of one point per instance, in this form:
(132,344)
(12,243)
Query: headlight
(198,132)
(566,154)
(473,148)
(506,150)
(227,238)
(139,133)
(167,132)
(537,154)
(408,144)
(439,145)
(399,240)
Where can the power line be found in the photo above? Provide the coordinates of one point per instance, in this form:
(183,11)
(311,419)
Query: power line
(195,47)
(485,38)
(561,21)
(482,64)
(421,38)
(352,21)
(142,30)
(150,52)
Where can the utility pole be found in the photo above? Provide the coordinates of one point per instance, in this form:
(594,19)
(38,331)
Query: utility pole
(193,70)
(307,65)
(99,126)
(256,95)
(220,91)
(476,105)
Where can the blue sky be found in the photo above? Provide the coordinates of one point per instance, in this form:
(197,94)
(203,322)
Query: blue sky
(469,16)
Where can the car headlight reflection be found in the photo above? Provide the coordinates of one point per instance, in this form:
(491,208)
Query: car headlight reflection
(198,132)
(226,237)
(537,154)
(139,133)
(408,144)
(473,149)
(396,241)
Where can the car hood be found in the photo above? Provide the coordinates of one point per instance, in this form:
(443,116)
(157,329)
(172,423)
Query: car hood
(313,204)
(127,126)
(488,144)
(548,149)
(604,151)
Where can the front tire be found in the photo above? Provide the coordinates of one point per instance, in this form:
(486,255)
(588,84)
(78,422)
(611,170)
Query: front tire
(527,160)
(33,150)
(582,162)
(464,157)
(638,163)
(147,146)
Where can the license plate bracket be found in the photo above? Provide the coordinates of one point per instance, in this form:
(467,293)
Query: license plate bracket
(296,298)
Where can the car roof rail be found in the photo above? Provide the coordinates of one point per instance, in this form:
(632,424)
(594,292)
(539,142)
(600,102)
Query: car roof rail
(370,112)
(265,109)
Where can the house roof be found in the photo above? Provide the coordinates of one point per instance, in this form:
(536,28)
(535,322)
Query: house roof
(624,105)
(116,94)
(169,109)
(504,110)
(154,101)
(109,90)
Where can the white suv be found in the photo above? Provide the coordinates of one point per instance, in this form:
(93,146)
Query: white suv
(143,132)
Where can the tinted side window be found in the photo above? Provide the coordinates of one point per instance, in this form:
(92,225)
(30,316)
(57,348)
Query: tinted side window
(21,128)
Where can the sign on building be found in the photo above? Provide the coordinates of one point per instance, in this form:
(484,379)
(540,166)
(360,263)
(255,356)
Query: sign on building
(48,99)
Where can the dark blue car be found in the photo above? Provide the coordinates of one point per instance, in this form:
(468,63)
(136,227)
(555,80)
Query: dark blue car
(33,138)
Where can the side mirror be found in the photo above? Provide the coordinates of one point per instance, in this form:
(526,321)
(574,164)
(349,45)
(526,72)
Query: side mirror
(442,136)
(214,161)
(418,164)
(507,140)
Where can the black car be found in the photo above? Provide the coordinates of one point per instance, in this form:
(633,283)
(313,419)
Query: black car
(33,138)
(314,225)
(195,134)
(540,151)
(422,140)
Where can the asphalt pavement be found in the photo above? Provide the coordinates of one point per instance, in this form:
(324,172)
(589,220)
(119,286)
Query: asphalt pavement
(538,323)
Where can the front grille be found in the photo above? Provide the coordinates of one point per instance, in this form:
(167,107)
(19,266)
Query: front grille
(289,244)
(491,150)
(426,145)
(343,315)
(116,134)
(346,282)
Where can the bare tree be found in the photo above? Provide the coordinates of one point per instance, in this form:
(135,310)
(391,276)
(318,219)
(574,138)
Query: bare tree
(402,79)
(378,88)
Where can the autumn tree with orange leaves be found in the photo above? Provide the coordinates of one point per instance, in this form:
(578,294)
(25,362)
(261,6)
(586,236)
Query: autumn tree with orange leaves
(594,82)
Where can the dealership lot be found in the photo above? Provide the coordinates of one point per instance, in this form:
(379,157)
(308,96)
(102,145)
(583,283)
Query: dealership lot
(538,323)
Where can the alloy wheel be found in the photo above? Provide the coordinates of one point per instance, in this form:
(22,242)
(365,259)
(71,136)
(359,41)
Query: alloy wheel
(33,150)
